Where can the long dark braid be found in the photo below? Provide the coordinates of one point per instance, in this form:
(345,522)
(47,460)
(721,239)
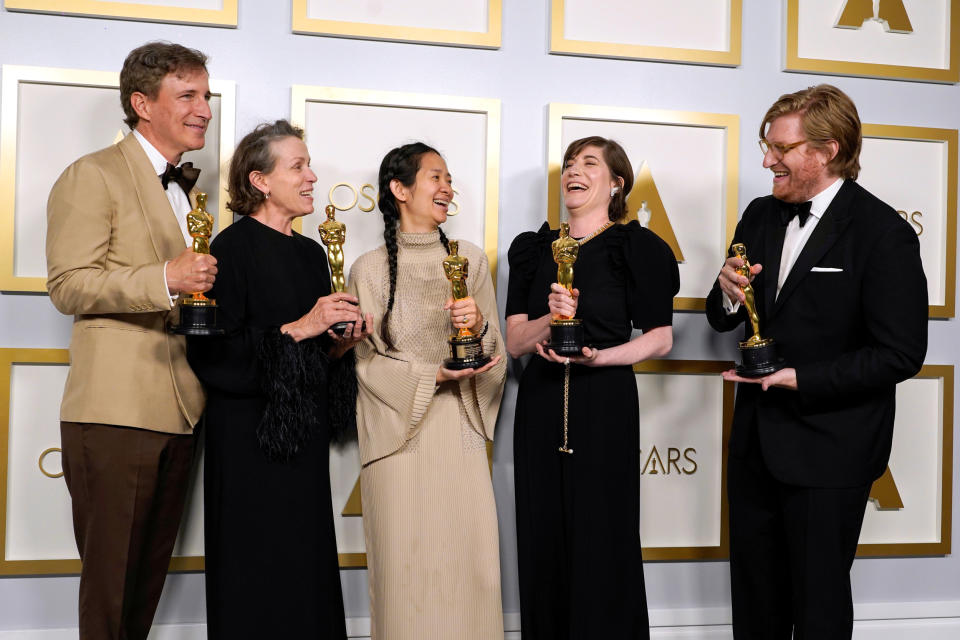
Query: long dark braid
(443,239)
(401,163)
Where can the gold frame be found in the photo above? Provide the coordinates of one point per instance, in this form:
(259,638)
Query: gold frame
(869,69)
(942,548)
(9,357)
(700,367)
(13,76)
(225,17)
(490,107)
(560,44)
(948,136)
(731,122)
(489,39)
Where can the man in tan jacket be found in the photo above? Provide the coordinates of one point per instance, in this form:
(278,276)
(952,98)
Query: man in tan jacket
(117,258)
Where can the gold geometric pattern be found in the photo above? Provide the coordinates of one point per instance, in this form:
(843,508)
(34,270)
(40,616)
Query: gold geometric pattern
(645,199)
(890,13)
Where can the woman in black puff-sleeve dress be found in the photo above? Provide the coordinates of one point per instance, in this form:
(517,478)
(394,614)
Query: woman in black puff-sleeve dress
(578,517)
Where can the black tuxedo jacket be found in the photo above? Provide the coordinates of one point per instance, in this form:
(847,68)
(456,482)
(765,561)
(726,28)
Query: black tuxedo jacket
(851,318)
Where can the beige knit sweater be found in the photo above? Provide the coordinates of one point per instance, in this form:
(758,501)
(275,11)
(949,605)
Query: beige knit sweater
(429,516)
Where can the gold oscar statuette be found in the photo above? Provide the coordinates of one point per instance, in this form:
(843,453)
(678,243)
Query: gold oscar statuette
(465,347)
(198,313)
(566,334)
(758,356)
(333,234)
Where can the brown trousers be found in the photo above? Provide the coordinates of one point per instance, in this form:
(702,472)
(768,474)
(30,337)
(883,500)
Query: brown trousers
(128,488)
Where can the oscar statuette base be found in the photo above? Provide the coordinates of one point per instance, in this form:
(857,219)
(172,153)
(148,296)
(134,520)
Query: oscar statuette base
(467,353)
(340,328)
(758,359)
(566,337)
(198,317)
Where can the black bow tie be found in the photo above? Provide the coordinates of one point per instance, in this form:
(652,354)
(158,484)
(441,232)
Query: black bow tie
(184,175)
(790,209)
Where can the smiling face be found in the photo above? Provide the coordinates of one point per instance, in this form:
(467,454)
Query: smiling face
(290,183)
(586,182)
(175,121)
(801,172)
(423,205)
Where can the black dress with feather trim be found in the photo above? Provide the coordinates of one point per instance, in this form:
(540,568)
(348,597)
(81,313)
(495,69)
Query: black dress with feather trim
(578,516)
(271,553)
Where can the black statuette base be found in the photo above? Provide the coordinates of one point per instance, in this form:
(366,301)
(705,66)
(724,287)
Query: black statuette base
(566,337)
(197,320)
(340,328)
(467,354)
(759,359)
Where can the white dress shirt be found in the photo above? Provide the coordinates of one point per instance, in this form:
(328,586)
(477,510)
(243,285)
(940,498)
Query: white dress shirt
(796,237)
(179,201)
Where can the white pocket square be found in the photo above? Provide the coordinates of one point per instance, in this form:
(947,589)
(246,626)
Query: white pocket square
(826,270)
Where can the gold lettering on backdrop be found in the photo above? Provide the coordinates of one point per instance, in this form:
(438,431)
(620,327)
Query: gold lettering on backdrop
(889,13)
(686,455)
(353,192)
(365,198)
(644,204)
(652,463)
(678,462)
(117,138)
(43,456)
(912,219)
(370,197)
(885,493)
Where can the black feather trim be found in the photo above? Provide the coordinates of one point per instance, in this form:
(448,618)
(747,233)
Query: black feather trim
(292,376)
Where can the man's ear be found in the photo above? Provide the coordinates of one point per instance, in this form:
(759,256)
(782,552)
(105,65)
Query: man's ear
(830,151)
(141,105)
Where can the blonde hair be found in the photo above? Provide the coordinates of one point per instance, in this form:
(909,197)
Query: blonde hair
(826,114)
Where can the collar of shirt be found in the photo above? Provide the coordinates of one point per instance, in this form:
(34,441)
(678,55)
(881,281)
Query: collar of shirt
(156,158)
(820,202)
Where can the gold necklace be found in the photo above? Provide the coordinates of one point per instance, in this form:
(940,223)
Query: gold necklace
(604,227)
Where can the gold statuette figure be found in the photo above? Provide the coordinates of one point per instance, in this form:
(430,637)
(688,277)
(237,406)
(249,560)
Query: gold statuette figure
(456,267)
(566,333)
(200,225)
(465,347)
(565,250)
(758,355)
(750,302)
(198,313)
(333,234)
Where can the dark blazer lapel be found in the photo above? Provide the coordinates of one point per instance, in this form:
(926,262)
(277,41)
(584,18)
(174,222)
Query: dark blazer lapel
(773,232)
(834,220)
(158,215)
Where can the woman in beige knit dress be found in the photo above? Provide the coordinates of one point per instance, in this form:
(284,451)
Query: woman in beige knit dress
(429,516)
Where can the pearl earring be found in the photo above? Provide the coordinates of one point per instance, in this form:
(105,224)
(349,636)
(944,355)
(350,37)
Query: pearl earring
(613,191)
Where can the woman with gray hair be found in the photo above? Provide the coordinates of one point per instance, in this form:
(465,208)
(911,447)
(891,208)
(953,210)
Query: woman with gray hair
(280,385)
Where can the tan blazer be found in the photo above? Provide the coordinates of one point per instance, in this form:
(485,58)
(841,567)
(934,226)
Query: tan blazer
(110,228)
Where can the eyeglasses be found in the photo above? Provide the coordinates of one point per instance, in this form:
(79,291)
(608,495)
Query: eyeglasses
(778,150)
